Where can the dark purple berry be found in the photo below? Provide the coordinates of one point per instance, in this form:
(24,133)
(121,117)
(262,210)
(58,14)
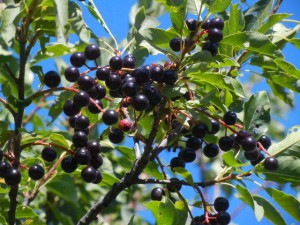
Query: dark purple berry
(260,158)
(94,147)
(72,74)
(157,73)
(69,164)
(217,23)
(52,79)
(36,172)
(93,108)
(102,73)
(114,81)
(70,109)
(96,161)
(199,130)
(99,177)
(249,143)
(110,117)
(221,204)
(175,44)
(174,185)
(129,89)
(223,218)
(271,163)
(78,59)
(210,47)
(116,136)
(177,162)
(251,155)
(187,155)
(215,127)
(265,141)
(86,131)
(1,155)
(81,99)
(191,24)
(92,52)
(211,150)
(241,135)
(194,143)
(89,174)
(13,177)
(140,102)
(49,154)
(116,63)
(142,75)
(157,194)
(93,92)
(82,122)
(129,62)
(198,220)
(230,118)
(226,143)
(170,77)
(5,167)
(215,35)
(101,91)
(80,139)
(206,24)
(83,156)
(85,82)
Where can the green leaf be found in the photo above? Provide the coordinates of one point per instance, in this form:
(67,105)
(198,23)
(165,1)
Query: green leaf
(194,6)
(57,108)
(287,67)
(217,6)
(273,19)
(108,180)
(219,81)
(131,221)
(257,113)
(257,13)
(252,41)
(270,212)
(4,136)
(288,202)
(25,212)
(185,174)
(236,21)
(162,208)
(174,91)
(182,212)
(2,220)
(62,12)
(152,170)
(296,42)
(60,140)
(231,161)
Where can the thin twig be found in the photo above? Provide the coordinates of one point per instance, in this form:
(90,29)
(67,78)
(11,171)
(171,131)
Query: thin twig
(7,105)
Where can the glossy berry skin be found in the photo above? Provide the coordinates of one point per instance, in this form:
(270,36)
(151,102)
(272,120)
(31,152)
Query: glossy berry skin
(80,139)
(129,89)
(226,143)
(172,187)
(177,162)
(215,35)
(94,147)
(85,82)
(78,59)
(140,102)
(99,177)
(69,164)
(175,44)
(260,158)
(223,218)
(249,143)
(49,154)
(211,150)
(92,52)
(221,204)
(217,23)
(157,73)
(215,127)
(89,174)
(82,122)
(116,136)
(199,130)
(101,91)
(129,62)
(86,131)
(191,24)
(72,120)
(142,75)
(83,156)
(193,143)
(13,177)
(102,73)
(5,167)
(206,25)
(116,63)
(271,163)
(230,118)
(241,135)
(93,108)
(110,117)
(36,172)
(52,79)
(157,194)
(210,47)
(93,92)
(198,220)
(187,155)
(251,155)
(125,125)
(81,99)
(72,74)
(170,77)
(96,161)
(265,141)
(70,109)
(113,82)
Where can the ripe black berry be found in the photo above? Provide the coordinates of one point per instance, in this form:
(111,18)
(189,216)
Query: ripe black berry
(230,118)
(199,130)
(69,164)
(172,187)
(249,143)
(83,156)
(223,218)
(129,89)
(226,143)
(101,91)
(72,120)
(110,117)
(211,47)
(116,136)
(157,194)
(85,82)
(5,167)
(140,102)
(241,135)
(198,220)
(191,24)
(142,75)
(271,163)
(170,77)
(49,154)
(103,73)
(99,177)
(13,177)
(251,155)
(129,62)
(177,162)
(80,139)
(78,59)
(265,141)
(187,155)
(96,161)
(215,35)
(92,51)
(260,158)
(221,204)
(81,99)
(72,74)
(114,81)
(93,92)
(116,63)
(94,147)
(206,25)
(157,73)
(89,174)
(86,131)
(193,142)
(93,108)
(211,150)
(215,127)
(217,23)
(70,109)
(82,122)
(52,79)
(175,44)
(36,172)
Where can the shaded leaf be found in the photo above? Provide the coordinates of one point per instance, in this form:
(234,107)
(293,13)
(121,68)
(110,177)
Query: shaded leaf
(236,20)
(25,212)
(272,20)
(62,13)
(108,180)
(185,174)
(60,140)
(231,161)
(217,6)
(182,212)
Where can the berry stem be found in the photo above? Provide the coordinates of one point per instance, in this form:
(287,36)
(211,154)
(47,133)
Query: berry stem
(261,148)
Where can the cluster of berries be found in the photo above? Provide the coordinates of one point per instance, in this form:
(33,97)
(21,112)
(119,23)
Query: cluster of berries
(213,28)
